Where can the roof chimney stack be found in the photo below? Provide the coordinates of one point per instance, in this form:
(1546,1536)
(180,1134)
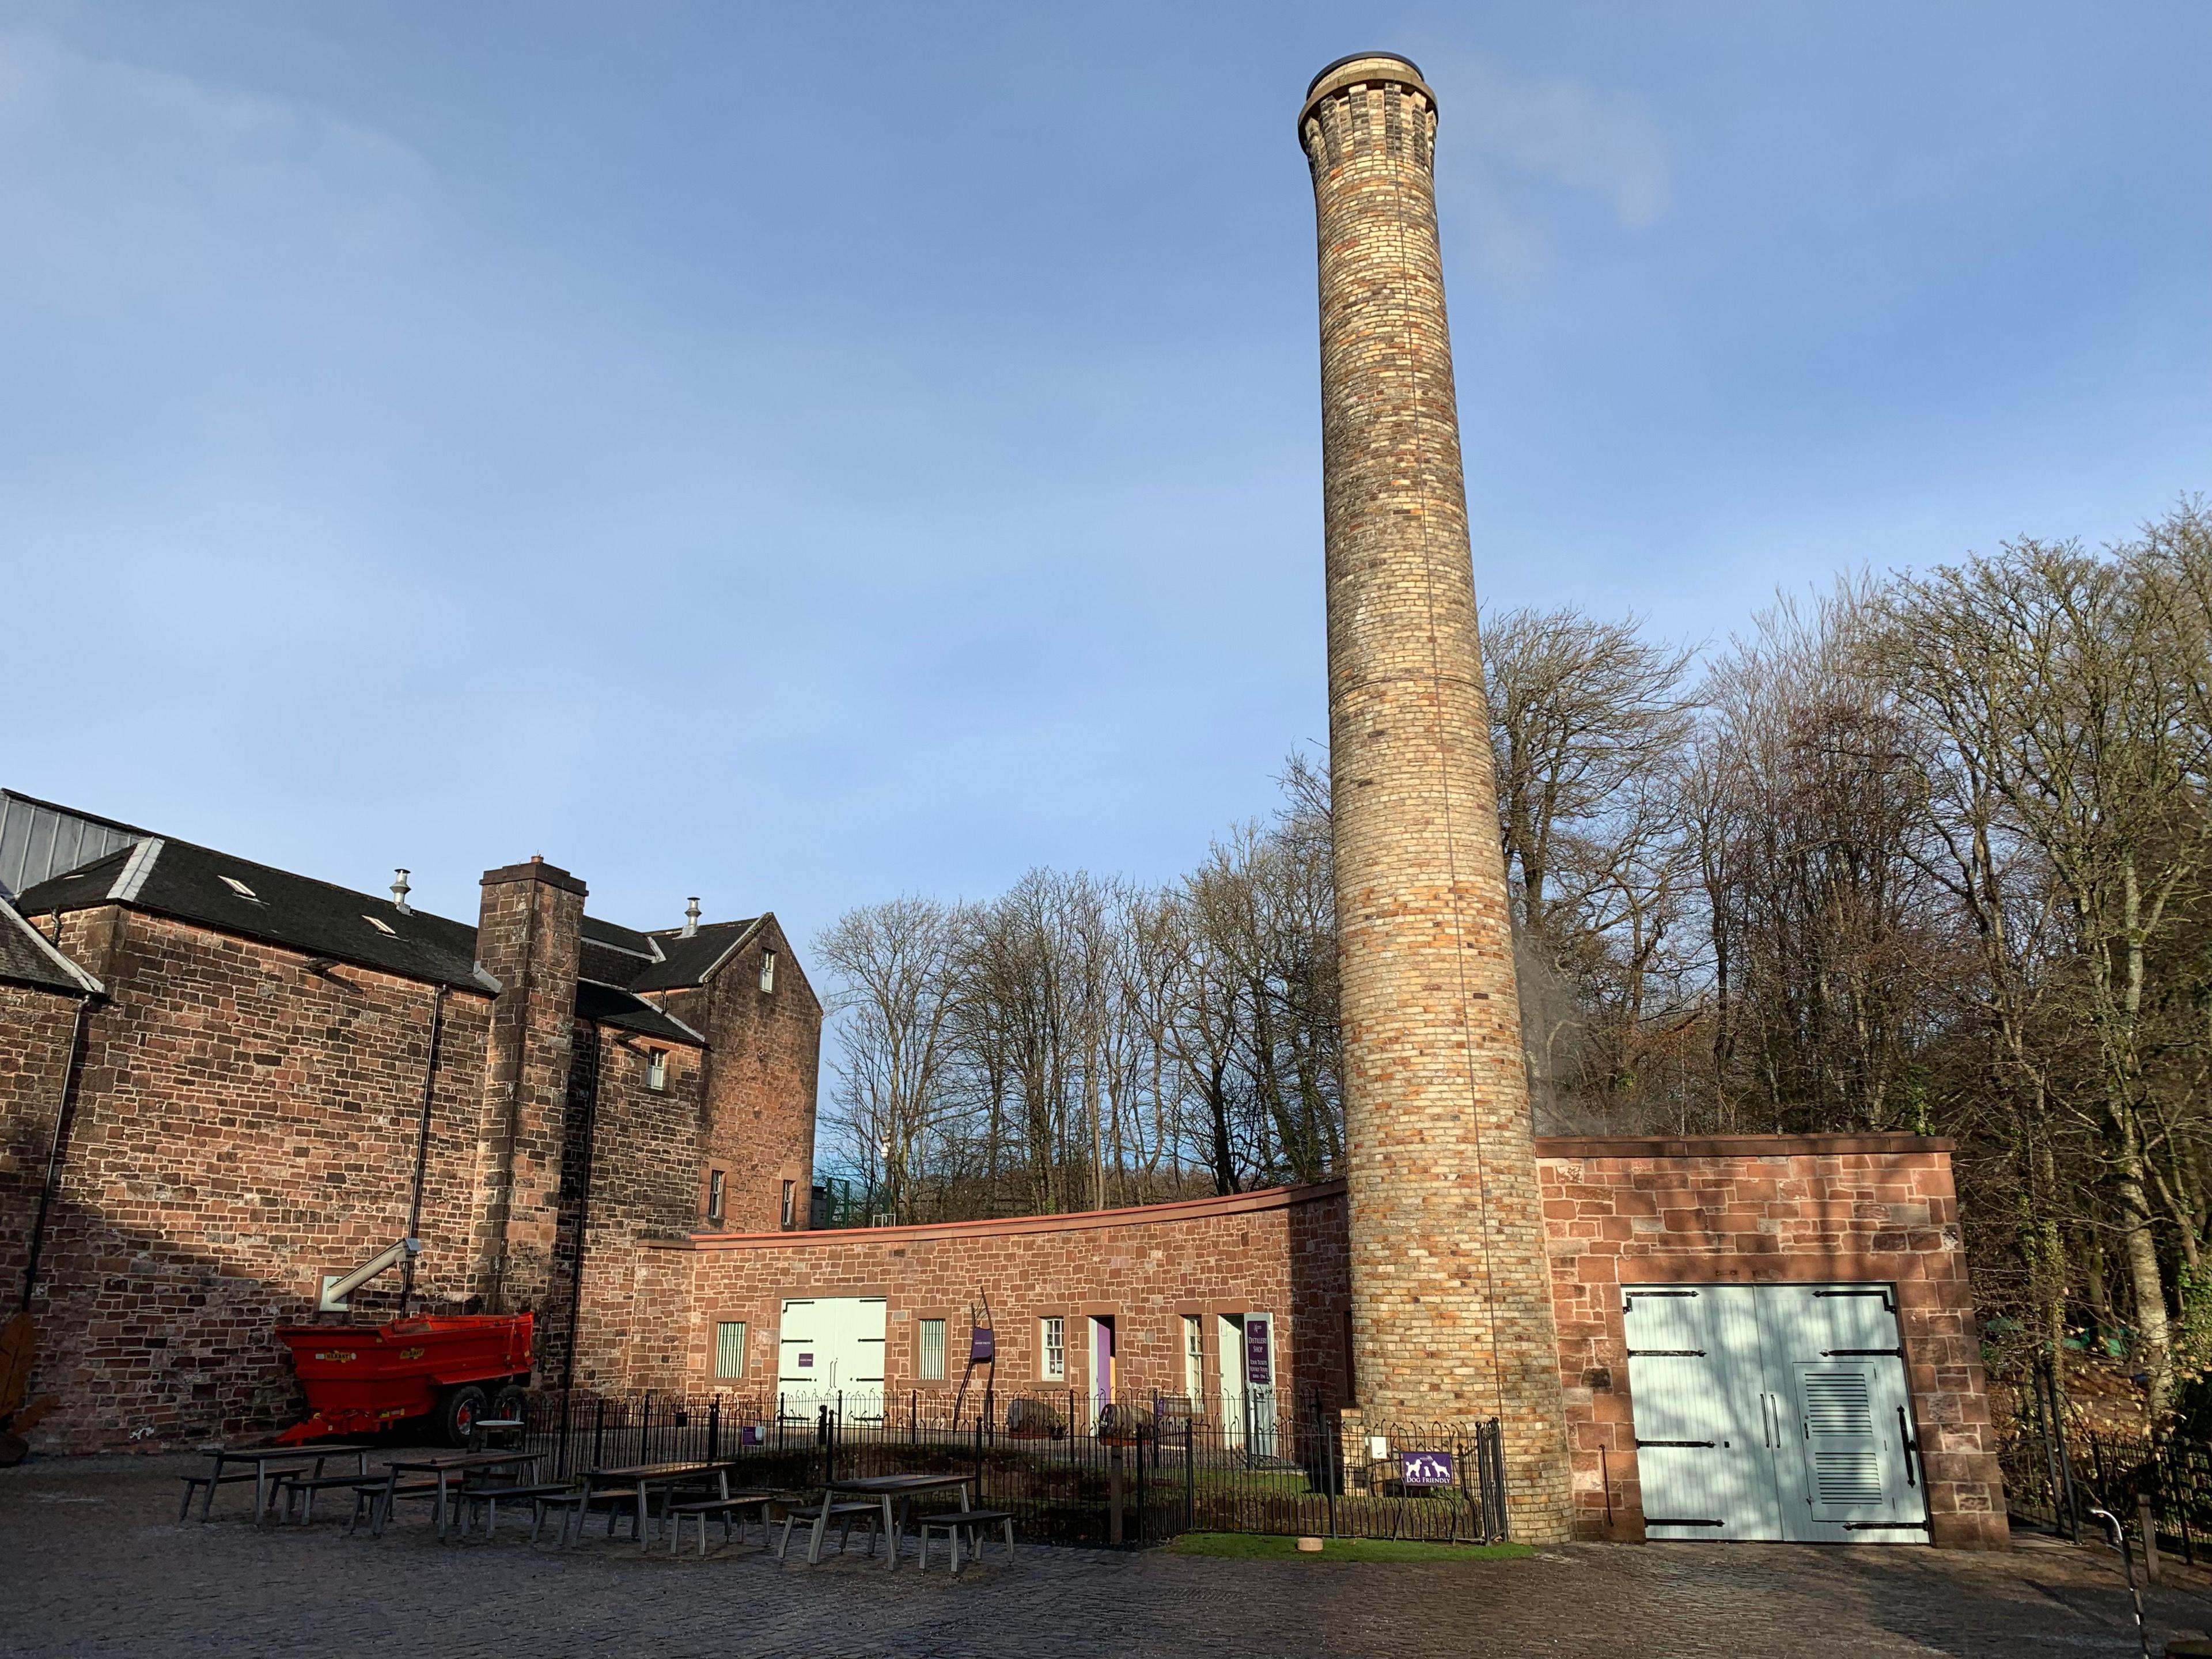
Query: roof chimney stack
(691,917)
(400,892)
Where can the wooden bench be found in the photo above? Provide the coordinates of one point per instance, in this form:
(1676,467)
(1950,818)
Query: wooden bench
(490,1495)
(584,1499)
(723,1508)
(872,1512)
(378,1497)
(951,1523)
(289,1484)
(194,1483)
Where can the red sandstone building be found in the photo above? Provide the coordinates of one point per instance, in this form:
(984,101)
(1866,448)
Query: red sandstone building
(621,1139)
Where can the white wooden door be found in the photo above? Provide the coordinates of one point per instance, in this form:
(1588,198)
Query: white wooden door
(833,1347)
(1773,1411)
(1228,1367)
(1846,1452)
(1695,1371)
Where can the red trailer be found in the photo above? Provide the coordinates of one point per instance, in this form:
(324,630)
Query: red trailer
(453,1369)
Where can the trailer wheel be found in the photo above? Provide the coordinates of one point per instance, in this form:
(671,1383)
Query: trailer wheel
(457,1412)
(511,1402)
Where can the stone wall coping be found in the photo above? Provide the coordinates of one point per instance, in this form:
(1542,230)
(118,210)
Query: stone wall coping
(1602,1146)
(1133,1215)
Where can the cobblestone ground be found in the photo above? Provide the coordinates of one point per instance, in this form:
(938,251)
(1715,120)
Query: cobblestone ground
(92,1563)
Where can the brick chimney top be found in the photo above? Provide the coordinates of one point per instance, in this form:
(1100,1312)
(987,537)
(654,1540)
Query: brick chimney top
(1365,66)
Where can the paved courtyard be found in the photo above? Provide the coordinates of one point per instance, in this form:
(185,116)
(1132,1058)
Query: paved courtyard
(92,1563)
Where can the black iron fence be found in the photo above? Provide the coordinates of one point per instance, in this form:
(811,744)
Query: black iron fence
(1139,1471)
(2055,1479)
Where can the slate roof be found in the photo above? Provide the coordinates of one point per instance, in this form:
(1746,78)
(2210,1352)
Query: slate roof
(195,883)
(610,1005)
(689,961)
(198,884)
(27,958)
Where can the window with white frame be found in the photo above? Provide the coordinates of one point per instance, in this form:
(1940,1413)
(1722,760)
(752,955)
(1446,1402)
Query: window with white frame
(1051,1349)
(1193,1356)
(730,1348)
(929,1366)
(656,1069)
(714,1186)
(768,970)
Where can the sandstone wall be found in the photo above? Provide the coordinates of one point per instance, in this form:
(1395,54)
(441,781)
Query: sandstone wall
(1754,1210)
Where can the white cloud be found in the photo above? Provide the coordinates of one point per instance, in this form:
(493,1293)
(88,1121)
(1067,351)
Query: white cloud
(1560,131)
(116,178)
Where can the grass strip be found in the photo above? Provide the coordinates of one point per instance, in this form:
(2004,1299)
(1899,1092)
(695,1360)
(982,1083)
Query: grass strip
(1259,1547)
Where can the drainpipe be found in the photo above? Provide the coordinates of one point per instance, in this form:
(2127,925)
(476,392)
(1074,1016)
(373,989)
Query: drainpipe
(423,1136)
(63,1113)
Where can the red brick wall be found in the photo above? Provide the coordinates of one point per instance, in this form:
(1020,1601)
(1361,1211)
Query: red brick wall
(243,1127)
(528,936)
(766,1056)
(1281,1252)
(35,1037)
(644,1148)
(1761,1210)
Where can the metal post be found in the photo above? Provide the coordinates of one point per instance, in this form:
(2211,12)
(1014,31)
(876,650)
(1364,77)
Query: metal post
(1189,1475)
(1113,1493)
(2120,1543)
(598,1434)
(713,1428)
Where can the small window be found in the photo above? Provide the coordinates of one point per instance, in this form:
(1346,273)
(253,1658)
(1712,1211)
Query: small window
(239,888)
(730,1348)
(1193,1356)
(790,1203)
(713,1195)
(930,1368)
(656,1069)
(381,926)
(1051,1349)
(768,970)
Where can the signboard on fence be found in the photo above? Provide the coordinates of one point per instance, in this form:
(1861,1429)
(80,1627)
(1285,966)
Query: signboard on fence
(1428,1468)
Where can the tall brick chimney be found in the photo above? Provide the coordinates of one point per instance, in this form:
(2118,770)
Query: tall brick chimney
(529,933)
(1451,1301)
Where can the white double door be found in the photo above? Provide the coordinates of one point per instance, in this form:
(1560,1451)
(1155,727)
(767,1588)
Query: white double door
(1773,1412)
(832,1348)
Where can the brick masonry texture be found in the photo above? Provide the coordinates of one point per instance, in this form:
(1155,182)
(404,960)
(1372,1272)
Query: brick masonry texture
(1766,1210)
(762,1077)
(1281,1252)
(246,1121)
(1450,1315)
(35,1037)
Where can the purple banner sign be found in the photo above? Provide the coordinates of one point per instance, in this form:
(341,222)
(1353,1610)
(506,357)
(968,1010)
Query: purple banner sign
(1428,1468)
(979,1349)
(1259,1354)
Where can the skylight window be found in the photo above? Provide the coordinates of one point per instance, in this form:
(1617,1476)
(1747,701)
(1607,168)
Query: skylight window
(240,887)
(381,926)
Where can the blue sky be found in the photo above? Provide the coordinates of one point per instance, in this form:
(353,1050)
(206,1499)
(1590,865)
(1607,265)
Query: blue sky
(800,455)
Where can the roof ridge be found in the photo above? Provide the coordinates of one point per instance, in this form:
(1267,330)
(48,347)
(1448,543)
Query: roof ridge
(133,877)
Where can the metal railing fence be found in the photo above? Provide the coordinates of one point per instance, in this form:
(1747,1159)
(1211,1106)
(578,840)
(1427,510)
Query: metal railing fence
(2054,1478)
(1142,1471)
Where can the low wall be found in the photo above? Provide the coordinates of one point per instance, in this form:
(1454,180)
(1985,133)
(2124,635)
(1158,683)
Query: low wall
(1745,1210)
(1765,1209)
(1281,1252)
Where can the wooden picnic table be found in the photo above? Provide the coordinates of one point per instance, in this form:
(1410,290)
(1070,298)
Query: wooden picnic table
(645,1476)
(899,1489)
(443,1467)
(263,1457)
